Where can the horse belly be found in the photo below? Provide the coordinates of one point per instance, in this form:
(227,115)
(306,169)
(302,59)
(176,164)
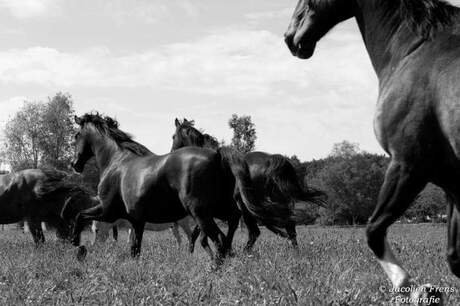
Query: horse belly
(164,211)
(12,206)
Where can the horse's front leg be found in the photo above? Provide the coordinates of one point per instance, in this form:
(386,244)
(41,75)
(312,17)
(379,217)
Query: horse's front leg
(193,237)
(36,231)
(90,214)
(138,229)
(453,233)
(402,184)
(175,231)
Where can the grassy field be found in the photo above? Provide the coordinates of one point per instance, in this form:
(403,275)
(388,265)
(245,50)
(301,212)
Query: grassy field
(333,267)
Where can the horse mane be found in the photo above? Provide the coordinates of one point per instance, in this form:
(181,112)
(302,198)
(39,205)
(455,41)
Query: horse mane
(109,127)
(196,137)
(425,17)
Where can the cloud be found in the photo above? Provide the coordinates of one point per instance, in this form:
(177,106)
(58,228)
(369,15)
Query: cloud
(234,62)
(28,8)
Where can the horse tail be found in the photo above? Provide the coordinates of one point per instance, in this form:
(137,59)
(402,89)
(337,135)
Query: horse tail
(273,214)
(282,177)
(283,185)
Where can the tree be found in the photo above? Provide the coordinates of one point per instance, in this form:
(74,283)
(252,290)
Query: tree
(345,149)
(244,133)
(59,131)
(40,134)
(23,136)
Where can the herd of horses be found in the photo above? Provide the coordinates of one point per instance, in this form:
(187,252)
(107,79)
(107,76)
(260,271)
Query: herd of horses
(414,47)
(140,190)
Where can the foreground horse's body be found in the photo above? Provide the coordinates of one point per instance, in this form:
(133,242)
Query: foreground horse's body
(141,187)
(101,230)
(414,46)
(274,180)
(36,196)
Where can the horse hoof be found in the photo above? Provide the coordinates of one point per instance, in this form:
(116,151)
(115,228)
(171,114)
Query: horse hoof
(81,253)
(427,295)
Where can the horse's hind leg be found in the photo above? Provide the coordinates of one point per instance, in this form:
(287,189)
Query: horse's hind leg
(210,229)
(292,235)
(253,231)
(250,221)
(399,189)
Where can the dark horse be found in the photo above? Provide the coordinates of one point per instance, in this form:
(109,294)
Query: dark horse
(36,196)
(414,46)
(274,179)
(139,186)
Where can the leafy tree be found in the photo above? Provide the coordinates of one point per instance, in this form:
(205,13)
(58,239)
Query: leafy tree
(345,149)
(431,202)
(40,134)
(23,136)
(59,131)
(244,133)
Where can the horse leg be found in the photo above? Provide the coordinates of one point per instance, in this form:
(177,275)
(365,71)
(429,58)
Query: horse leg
(210,229)
(93,213)
(193,237)
(138,229)
(453,234)
(253,231)
(130,235)
(292,235)
(249,220)
(400,187)
(36,232)
(186,228)
(115,232)
(175,231)
(232,227)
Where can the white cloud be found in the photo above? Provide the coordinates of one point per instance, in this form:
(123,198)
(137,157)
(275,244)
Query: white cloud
(28,8)
(235,62)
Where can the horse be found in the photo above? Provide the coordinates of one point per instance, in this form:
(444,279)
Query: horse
(274,179)
(414,47)
(140,186)
(101,229)
(36,196)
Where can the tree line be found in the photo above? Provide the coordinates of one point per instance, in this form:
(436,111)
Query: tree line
(40,135)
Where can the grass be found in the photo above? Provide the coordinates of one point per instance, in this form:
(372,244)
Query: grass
(334,267)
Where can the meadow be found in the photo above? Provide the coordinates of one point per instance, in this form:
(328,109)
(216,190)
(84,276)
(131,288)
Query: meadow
(333,267)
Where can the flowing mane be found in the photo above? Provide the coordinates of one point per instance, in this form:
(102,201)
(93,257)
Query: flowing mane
(425,17)
(187,129)
(196,137)
(109,127)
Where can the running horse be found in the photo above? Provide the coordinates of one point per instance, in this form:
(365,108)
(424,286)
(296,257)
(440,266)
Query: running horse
(274,178)
(140,186)
(37,195)
(414,47)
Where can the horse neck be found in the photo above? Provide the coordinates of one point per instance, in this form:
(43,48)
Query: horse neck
(387,38)
(105,151)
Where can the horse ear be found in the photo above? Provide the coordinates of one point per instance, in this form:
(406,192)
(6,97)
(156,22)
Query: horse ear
(77,120)
(176,122)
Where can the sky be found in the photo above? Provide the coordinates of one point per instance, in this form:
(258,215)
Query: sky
(146,62)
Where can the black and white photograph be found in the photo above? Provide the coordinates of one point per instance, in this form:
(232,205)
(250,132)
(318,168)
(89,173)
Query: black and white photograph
(244,152)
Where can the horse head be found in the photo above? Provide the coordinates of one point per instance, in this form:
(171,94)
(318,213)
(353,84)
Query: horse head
(311,20)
